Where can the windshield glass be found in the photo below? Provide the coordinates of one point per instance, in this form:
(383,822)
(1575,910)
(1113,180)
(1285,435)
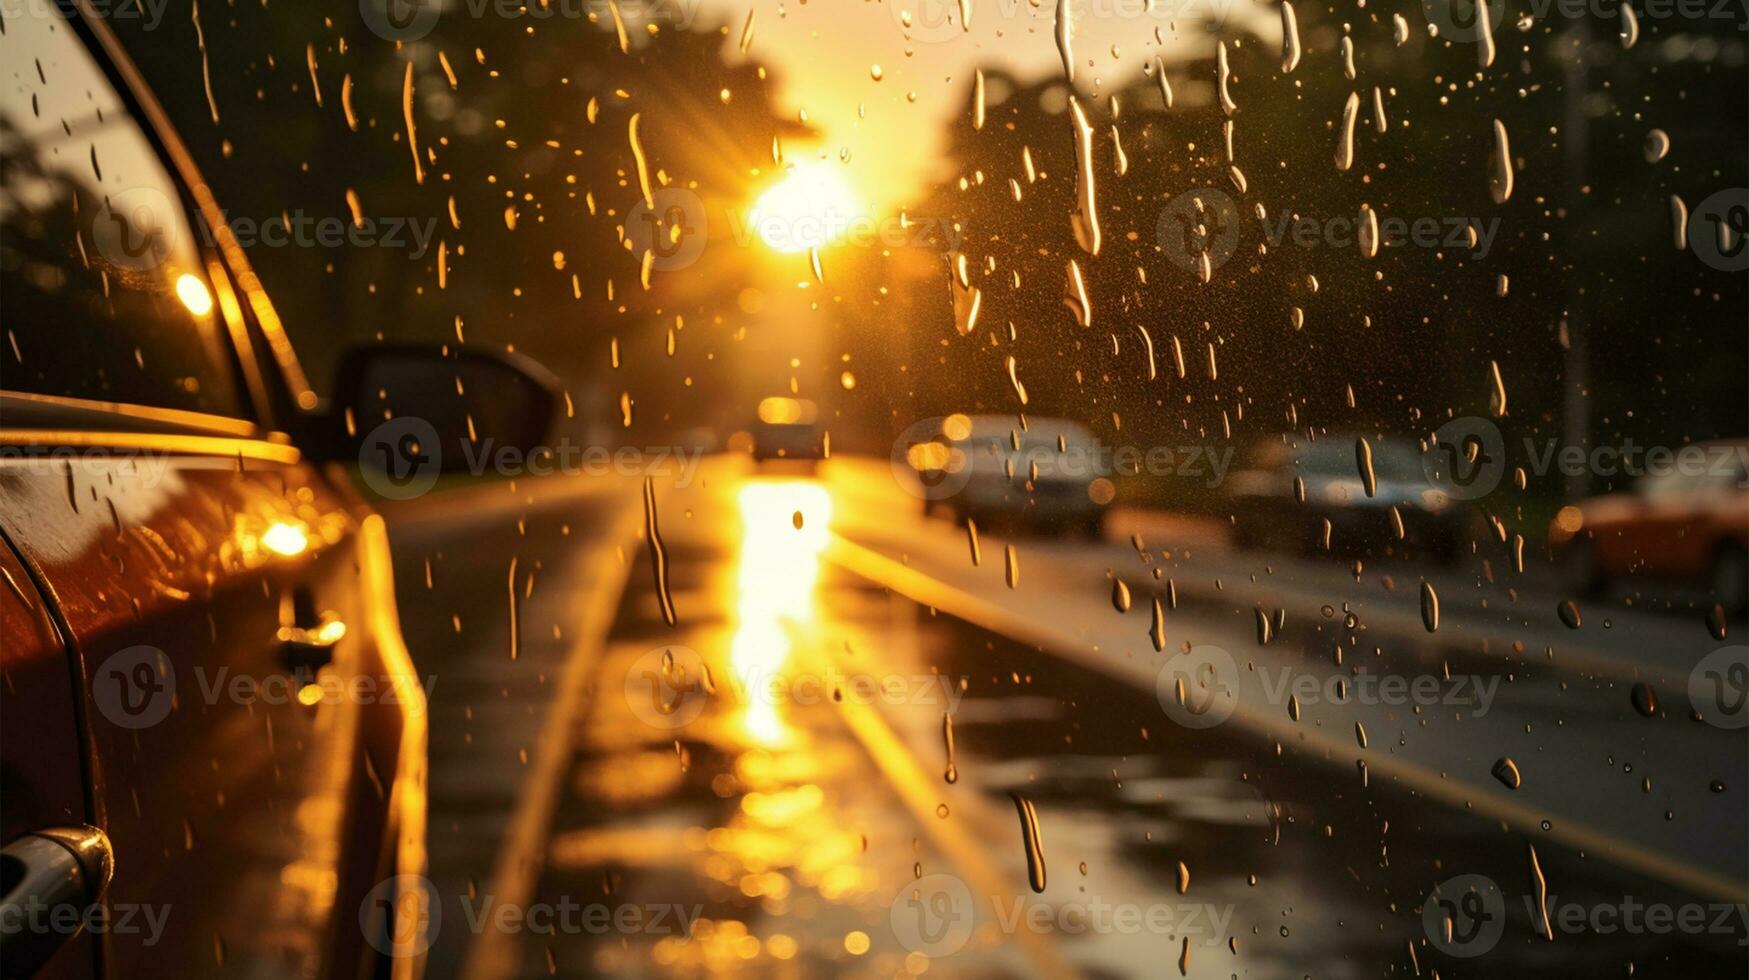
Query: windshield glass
(1057,487)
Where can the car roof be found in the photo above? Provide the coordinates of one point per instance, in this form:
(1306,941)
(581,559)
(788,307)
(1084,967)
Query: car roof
(1334,453)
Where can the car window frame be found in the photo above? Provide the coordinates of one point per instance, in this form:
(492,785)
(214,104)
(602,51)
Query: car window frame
(271,389)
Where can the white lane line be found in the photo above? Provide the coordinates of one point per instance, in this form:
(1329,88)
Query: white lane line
(994,617)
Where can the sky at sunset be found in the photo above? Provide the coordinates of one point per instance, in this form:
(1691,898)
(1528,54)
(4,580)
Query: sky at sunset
(824,56)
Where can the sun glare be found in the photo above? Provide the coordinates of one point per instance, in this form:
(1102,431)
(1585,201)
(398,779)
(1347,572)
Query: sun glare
(810,207)
(776,624)
(194,295)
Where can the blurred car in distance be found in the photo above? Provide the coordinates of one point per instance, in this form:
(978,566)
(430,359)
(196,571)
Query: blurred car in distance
(1308,498)
(1687,527)
(788,428)
(1003,472)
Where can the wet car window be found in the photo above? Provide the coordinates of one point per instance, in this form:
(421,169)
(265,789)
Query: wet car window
(1219,488)
(106,297)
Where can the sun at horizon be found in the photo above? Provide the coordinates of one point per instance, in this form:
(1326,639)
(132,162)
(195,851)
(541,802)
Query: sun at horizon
(810,207)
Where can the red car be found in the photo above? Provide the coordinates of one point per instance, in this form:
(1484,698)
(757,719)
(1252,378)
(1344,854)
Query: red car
(212,738)
(1685,527)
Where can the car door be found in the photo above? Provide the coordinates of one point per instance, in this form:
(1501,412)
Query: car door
(42,790)
(251,730)
(1663,542)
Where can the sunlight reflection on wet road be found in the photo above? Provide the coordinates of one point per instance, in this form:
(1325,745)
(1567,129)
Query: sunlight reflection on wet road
(775,579)
(760,790)
(714,777)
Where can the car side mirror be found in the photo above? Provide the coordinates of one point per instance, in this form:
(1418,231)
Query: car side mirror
(411,411)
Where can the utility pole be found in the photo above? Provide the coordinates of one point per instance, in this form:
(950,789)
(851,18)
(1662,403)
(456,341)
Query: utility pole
(1575,130)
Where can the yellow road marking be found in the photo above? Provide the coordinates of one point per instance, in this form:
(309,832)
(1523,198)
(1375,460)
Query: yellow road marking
(494,954)
(954,838)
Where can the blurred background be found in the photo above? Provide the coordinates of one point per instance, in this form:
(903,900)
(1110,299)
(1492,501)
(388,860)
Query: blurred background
(1605,332)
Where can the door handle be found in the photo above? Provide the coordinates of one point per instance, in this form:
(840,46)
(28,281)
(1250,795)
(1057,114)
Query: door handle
(43,872)
(307,649)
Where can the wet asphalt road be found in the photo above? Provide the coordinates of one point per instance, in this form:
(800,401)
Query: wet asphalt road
(760,788)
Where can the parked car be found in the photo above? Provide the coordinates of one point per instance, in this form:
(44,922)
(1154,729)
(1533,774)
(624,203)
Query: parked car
(1002,472)
(788,428)
(212,737)
(1687,526)
(1289,487)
